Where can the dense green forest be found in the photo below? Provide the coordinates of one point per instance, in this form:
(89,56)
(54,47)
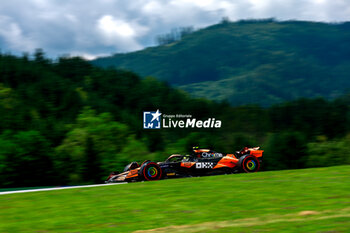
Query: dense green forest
(250,61)
(65,121)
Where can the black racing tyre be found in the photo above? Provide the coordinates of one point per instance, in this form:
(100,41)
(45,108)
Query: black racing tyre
(250,164)
(150,171)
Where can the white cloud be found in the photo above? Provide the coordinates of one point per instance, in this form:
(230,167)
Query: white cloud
(116,32)
(109,26)
(112,27)
(13,35)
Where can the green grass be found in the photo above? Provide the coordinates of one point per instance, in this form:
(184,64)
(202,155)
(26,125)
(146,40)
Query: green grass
(260,202)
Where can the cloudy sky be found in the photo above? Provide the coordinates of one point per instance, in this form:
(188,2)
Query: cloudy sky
(94,28)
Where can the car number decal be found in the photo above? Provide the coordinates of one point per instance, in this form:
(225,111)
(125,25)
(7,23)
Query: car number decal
(202,165)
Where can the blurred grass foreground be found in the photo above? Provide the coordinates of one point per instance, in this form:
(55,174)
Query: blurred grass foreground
(304,200)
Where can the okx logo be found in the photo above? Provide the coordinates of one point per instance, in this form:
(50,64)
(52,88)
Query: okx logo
(151,120)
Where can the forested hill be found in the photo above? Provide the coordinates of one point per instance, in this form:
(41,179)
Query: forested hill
(251,61)
(68,122)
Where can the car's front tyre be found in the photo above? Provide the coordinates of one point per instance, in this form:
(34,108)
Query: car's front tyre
(150,171)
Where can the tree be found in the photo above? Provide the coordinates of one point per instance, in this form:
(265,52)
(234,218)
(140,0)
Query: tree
(328,153)
(91,147)
(25,159)
(285,150)
(39,56)
(175,34)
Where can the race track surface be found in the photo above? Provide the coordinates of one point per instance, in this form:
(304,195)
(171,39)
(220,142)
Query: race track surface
(56,188)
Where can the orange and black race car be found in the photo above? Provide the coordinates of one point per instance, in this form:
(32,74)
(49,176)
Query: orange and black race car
(200,163)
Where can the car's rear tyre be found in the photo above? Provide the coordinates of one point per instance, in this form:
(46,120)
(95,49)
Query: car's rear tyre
(150,171)
(250,164)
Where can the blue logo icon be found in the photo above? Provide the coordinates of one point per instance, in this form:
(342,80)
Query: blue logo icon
(151,120)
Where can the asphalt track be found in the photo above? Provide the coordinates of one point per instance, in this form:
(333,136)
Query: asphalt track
(56,188)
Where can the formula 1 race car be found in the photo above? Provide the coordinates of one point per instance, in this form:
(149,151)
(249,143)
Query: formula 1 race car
(200,163)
